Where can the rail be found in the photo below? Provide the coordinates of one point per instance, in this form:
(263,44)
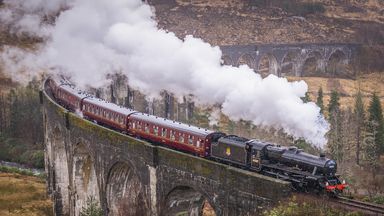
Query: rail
(364,207)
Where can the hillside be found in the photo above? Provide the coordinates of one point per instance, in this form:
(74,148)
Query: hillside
(347,88)
(227,22)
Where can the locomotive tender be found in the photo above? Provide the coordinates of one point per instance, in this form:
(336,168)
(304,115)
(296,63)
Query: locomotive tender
(303,170)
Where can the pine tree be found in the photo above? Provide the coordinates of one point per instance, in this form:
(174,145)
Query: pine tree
(306,98)
(319,100)
(376,123)
(370,148)
(91,208)
(335,135)
(359,116)
(334,105)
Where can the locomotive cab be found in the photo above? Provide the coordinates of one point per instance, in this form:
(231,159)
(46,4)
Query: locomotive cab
(256,154)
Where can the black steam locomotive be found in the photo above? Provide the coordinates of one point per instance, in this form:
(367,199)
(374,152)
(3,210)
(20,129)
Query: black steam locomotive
(306,172)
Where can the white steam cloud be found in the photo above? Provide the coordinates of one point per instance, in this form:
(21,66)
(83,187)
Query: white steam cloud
(96,37)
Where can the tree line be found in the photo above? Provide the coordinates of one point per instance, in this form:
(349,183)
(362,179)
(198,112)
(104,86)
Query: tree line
(21,126)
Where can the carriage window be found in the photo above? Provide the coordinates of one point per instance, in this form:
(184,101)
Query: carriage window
(133,125)
(147,128)
(190,139)
(198,143)
(181,137)
(163,132)
(138,125)
(156,130)
(172,134)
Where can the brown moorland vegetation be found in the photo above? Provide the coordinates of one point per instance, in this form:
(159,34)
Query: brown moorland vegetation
(23,195)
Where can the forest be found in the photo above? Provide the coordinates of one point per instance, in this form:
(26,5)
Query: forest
(21,125)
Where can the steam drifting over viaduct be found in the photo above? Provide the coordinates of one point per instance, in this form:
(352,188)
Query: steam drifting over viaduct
(128,176)
(291,59)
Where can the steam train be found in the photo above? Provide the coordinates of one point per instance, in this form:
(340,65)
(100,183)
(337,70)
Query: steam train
(305,171)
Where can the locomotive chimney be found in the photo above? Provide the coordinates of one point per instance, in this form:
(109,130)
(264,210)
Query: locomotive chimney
(322,155)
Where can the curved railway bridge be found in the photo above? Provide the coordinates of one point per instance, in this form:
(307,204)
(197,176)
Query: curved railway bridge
(303,59)
(128,176)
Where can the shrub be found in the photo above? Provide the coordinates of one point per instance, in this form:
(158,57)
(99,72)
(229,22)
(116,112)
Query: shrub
(307,207)
(91,208)
(38,159)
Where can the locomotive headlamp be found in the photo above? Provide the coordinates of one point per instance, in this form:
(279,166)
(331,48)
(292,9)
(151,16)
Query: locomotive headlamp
(343,181)
(326,184)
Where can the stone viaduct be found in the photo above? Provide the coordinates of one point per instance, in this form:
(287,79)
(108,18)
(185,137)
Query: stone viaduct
(128,176)
(291,59)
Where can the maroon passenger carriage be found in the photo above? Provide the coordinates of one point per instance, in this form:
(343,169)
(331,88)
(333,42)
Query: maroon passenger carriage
(174,134)
(68,96)
(106,113)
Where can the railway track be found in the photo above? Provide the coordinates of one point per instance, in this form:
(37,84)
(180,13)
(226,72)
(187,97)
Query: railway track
(364,207)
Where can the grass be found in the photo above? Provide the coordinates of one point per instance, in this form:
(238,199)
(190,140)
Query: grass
(23,195)
(24,172)
(346,87)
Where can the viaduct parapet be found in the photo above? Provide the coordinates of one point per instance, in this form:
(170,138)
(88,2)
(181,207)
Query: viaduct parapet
(294,57)
(128,176)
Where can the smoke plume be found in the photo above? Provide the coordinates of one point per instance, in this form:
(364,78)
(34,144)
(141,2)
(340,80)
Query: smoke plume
(92,38)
